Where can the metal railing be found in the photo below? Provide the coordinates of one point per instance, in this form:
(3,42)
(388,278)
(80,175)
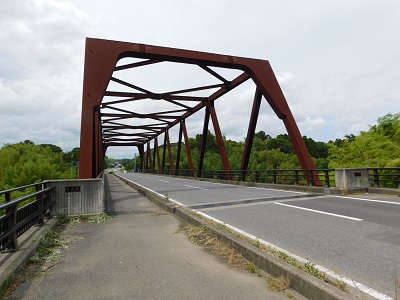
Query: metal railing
(384,177)
(377,177)
(18,215)
(287,176)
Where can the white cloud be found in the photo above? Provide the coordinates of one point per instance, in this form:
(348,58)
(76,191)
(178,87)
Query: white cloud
(336,61)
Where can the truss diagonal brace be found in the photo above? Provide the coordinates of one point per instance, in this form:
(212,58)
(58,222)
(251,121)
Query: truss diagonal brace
(101,57)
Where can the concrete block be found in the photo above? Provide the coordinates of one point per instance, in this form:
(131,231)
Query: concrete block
(351,178)
(78,197)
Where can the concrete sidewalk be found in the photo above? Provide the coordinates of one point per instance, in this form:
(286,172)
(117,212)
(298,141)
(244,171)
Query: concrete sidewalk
(139,255)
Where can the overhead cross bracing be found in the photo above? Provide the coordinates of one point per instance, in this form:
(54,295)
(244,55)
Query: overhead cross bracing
(120,108)
(138,114)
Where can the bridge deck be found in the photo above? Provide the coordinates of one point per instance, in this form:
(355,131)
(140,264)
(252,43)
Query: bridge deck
(356,237)
(138,255)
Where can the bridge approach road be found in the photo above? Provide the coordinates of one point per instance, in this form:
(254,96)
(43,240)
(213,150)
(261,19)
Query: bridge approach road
(356,237)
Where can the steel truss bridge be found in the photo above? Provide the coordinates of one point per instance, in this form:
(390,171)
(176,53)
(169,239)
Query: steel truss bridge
(119,111)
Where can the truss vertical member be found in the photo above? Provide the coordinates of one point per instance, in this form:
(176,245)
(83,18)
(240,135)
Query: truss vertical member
(100,130)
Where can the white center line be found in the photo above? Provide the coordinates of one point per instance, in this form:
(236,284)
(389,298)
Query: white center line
(370,200)
(320,212)
(196,187)
(164,181)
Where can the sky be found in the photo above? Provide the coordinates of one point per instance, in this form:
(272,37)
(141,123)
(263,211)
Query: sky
(337,61)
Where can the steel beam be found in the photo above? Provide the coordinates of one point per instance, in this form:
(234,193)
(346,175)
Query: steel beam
(164,152)
(101,57)
(141,154)
(171,161)
(250,132)
(156,155)
(204,139)
(187,145)
(178,154)
(220,141)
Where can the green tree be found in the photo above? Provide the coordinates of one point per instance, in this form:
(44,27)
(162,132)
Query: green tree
(26,163)
(378,147)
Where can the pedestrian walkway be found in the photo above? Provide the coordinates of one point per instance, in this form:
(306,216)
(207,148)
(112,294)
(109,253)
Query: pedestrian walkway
(139,254)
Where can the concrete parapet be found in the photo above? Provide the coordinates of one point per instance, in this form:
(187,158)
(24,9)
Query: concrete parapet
(76,197)
(351,178)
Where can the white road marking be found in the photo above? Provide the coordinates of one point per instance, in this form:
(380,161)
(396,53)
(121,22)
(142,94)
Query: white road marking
(196,187)
(369,200)
(319,211)
(350,282)
(253,187)
(164,181)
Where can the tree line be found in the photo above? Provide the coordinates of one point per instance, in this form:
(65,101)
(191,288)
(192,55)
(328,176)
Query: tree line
(26,163)
(377,147)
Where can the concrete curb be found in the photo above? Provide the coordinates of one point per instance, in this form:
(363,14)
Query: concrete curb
(300,281)
(12,263)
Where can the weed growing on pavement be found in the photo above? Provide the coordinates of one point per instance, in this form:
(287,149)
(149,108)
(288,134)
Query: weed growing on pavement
(307,267)
(48,252)
(311,269)
(100,218)
(278,284)
(256,243)
(103,217)
(199,235)
(47,244)
(253,269)
(62,219)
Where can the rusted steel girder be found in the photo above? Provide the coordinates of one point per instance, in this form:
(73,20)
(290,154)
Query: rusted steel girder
(220,140)
(250,132)
(178,154)
(104,123)
(187,145)
(156,154)
(171,161)
(204,139)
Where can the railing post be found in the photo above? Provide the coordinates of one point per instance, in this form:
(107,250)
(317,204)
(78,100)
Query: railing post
(274,176)
(376,177)
(48,201)
(398,179)
(296,177)
(242,175)
(327,181)
(12,243)
(40,220)
(257,176)
(311,174)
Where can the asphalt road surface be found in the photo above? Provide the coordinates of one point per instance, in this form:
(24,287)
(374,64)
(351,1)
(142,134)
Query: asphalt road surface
(358,238)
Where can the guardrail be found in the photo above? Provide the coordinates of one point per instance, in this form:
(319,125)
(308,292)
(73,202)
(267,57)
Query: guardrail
(18,215)
(377,177)
(384,177)
(283,176)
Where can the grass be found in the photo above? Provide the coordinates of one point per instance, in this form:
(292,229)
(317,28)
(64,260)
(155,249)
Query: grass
(48,252)
(279,284)
(199,235)
(47,246)
(308,267)
(100,218)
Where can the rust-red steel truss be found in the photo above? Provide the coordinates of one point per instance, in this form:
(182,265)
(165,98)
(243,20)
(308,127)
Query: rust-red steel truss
(105,123)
